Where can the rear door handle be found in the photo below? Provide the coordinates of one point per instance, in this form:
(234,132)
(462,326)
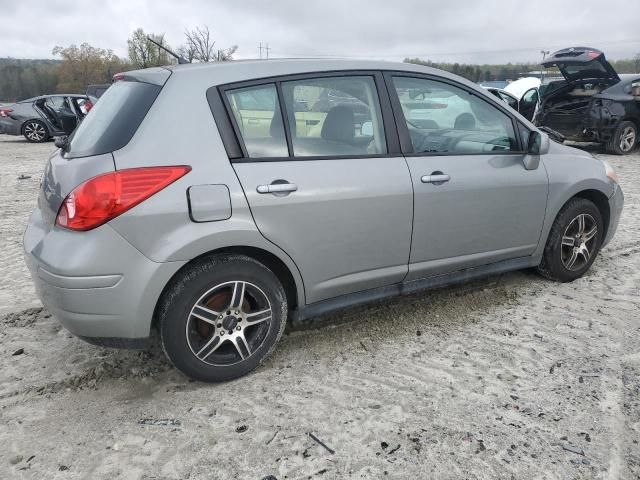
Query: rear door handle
(277,188)
(435,178)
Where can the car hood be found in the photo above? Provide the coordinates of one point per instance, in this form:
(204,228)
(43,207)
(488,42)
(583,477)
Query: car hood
(582,63)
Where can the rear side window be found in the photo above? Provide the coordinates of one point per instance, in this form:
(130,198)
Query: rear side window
(113,121)
(334,116)
(257,115)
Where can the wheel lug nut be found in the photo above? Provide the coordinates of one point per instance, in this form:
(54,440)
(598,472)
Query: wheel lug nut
(222,333)
(238,327)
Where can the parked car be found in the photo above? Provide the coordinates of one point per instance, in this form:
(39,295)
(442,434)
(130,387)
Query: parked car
(522,95)
(221,231)
(43,117)
(592,103)
(97,90)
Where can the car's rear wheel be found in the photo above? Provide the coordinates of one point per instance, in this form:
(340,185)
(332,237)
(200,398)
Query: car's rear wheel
(222,317)
(574,241)
(35,131)
(624,139)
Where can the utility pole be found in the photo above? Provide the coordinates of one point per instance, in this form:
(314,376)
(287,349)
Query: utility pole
(266,48)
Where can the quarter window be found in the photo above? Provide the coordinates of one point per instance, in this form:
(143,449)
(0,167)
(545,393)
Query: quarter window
(442,118)
(257,114)
(334,116)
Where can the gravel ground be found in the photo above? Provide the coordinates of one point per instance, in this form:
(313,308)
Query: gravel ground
(513,377)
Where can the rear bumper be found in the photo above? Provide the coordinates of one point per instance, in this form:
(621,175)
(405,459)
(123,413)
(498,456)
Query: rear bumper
(95,283)
(9,126)
(616,203)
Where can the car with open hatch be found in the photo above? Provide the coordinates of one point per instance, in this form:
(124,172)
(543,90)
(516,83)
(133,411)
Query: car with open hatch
(592,103)
(292,188)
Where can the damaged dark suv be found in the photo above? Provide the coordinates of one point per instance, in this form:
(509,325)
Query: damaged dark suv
(593,103)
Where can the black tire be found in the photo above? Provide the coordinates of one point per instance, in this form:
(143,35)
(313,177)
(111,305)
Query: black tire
(558,252)
(35,131)
(214,283)
(624,139)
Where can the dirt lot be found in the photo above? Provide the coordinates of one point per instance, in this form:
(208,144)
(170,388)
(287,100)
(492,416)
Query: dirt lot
(513,377)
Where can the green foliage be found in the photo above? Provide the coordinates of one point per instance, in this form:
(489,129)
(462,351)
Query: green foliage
(86,65)
(20,79)
(144,54)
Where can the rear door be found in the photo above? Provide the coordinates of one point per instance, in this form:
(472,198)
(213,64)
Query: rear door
(475,203)
(327,185)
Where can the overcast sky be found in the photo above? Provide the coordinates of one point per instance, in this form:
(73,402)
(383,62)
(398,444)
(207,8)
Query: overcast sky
(454,30)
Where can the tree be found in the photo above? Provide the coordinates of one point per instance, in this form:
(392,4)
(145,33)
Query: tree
(84,65)
(20,79)
(200,47)
(143,53)
(200,42)
(226,55)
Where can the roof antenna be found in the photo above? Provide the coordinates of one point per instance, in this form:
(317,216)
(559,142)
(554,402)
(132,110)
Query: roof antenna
(180,58)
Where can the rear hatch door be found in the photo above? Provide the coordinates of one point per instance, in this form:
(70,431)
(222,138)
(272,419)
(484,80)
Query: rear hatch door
(109,126)
(582,63)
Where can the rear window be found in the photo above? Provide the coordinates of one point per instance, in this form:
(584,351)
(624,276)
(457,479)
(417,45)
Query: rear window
(112,122)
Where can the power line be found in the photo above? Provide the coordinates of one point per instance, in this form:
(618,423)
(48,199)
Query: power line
(478,52)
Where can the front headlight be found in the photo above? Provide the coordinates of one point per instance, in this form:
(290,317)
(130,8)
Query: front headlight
(611,173)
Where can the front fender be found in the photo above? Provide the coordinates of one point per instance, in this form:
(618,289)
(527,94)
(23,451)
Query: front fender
(570,172)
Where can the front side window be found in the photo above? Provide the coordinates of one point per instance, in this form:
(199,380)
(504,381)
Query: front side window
(257,114)
(334,116)
(442,118)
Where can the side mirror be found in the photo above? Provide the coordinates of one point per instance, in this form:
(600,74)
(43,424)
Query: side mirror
(537,145)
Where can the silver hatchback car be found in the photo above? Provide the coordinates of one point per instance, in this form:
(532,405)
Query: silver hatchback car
(215,201)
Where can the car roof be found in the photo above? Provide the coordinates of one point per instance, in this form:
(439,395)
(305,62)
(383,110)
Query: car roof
(220,73)
(57,95)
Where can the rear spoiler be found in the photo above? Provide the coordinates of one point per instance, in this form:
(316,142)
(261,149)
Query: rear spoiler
(156,76)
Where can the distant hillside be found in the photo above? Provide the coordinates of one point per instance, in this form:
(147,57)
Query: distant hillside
(23,78)
(27,61)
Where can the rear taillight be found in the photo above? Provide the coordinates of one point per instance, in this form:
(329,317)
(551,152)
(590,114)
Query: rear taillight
(4,112)
(106,196)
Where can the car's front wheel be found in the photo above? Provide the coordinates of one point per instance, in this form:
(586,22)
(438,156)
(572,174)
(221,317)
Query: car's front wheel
(574,241)
(222,317)
(624,139)
(35,131)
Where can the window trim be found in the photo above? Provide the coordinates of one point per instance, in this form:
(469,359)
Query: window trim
(401,122)
(234,143)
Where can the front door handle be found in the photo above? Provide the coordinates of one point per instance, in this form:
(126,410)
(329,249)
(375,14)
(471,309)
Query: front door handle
(437,178)
(277,188)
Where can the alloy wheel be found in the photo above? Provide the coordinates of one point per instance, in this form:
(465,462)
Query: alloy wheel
(628,139)
(579,242)
(34,131)
(229,323)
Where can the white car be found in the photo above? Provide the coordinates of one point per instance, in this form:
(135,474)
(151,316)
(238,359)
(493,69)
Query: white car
(522,95)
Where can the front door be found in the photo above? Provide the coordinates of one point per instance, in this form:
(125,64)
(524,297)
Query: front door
(475,203)
(528,104)
(330,195)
